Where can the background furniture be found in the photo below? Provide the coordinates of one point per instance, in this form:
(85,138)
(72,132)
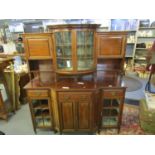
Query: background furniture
(8,105)
(3,112)
(145,39)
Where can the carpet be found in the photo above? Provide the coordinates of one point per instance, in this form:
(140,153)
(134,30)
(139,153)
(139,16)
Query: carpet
(130,123)
(131,83)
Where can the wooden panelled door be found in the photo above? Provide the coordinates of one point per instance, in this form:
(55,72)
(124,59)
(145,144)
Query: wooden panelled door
(84,114)
(67,112)
(110,45)
(38,46)
(76,111)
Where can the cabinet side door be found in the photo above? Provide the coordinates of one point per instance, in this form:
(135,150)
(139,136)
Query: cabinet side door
(38,46)
(110,45)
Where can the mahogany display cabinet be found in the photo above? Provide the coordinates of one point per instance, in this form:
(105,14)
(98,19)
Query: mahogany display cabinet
(73,69)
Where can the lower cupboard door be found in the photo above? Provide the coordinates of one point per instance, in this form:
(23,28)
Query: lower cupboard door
(67,115)
(84,115)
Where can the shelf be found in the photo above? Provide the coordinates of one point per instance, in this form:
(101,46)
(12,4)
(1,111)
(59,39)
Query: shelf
(64,58)
(110,102)
(128,56)
(130,43)
(41,107)
(110,112)
(43,127)
(84,44)
(108,122)
(37,71)
(63,44)
(146,28)
(145,37)
(43,123)
(141,49)
(129,31)
(12,55)
(112,107)
(84,68)
(42,116)
(42,113)
(61,68)
(85,57)
(140,58)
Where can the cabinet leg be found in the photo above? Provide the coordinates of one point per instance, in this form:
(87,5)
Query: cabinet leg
(60,132)
(98,131)
(55,131)
(35,131)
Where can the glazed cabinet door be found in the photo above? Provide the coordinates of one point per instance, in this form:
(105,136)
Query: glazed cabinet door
(38,46)
(63,51)
(74,50)
(40,104)
(111,107)
(85,50)
(110,44)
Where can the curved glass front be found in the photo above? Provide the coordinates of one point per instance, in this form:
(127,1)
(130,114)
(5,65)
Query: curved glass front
(64,50)
(85,57)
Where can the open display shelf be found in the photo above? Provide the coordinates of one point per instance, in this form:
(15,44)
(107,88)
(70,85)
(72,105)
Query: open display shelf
(145,39)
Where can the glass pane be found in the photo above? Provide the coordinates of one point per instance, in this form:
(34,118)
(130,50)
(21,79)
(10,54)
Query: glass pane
(80,51)
(111,103)
(58,38)
(90,38)
(63,38)
(109,121)
(67,37)
(47,122)
(65,64)
(41,112)
(85,64)
(39,122)
(85,50)
(110,112)
(39,104)
(80,38)
(64,50)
